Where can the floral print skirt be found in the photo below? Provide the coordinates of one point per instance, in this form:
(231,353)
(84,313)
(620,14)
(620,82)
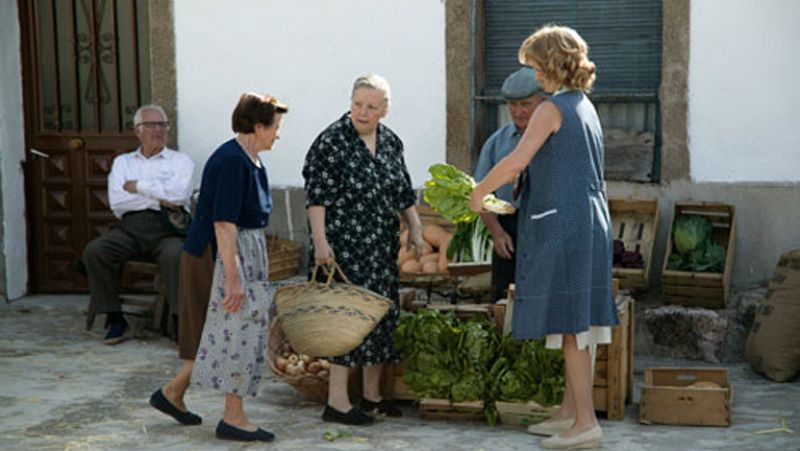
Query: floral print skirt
(232,352)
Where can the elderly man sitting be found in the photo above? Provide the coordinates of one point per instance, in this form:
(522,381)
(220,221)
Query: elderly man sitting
(139,184)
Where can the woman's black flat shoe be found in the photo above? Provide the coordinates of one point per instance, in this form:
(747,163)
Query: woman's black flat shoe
(383,407)
(162,404)
(354,417)
(227,432)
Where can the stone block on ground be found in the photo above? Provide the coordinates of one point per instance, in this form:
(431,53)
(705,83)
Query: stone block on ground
(747,302)
(686,332)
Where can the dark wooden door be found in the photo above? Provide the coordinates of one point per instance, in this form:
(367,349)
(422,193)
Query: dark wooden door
(85,72)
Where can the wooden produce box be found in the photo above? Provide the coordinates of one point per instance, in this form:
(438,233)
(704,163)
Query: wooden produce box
(428,215)
(462,311)
(634,222)
(523,413)
(393,385)
(284,257)
(668,397)
(613,376)
(443,409)
(702,289)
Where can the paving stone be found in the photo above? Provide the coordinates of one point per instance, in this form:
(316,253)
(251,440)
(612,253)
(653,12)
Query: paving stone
(687,332)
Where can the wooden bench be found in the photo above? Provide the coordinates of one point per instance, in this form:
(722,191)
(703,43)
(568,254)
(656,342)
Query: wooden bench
(150,304)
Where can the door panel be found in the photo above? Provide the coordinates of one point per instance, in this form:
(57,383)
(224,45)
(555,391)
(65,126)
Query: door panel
(85,72)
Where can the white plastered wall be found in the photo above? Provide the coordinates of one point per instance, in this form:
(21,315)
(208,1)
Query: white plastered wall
(308,53)
(12,152)
(744,108)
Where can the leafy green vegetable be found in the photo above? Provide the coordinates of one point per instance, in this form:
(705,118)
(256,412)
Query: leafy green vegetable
(471,242)
(694,248)
(467,360)
(448,193)
(333,434)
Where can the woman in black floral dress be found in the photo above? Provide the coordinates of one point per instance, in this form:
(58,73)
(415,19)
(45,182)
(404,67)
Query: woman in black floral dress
(356,183)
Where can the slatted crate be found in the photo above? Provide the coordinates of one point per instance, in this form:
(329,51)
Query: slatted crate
(613,376)
(702,289)
(523,413)
(634,222)
(394,387)
(284,257)
(443,409)
(686,396)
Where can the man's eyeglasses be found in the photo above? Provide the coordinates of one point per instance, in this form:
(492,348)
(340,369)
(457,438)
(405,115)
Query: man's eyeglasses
(152,125)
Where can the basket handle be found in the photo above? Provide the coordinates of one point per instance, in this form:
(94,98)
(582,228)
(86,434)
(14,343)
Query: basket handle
(331,269)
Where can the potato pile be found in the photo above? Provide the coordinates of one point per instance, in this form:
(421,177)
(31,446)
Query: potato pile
(434,258)
(295,364)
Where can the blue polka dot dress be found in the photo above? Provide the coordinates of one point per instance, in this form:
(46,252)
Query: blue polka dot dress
(564,241)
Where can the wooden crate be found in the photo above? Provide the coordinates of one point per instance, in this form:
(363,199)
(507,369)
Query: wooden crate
(523,413)
(634,222)
(442,409)
(393,385)
(702,289)
(613,376)
(284,257)
(428,215)
(462,311)
(668,397)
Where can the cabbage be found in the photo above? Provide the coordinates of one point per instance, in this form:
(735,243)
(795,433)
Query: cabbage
(689,231)
(695,251)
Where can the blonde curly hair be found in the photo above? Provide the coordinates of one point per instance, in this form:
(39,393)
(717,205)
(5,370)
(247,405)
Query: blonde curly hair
(561,54)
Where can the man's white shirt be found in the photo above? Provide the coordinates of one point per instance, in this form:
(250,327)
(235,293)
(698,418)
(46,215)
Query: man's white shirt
(166,176)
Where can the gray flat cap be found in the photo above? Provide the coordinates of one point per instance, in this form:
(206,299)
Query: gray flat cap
(520,84)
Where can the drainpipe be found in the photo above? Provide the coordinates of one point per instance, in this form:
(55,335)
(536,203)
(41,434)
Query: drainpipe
(474,86)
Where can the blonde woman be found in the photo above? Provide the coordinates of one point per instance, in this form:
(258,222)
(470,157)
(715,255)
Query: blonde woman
(564,247)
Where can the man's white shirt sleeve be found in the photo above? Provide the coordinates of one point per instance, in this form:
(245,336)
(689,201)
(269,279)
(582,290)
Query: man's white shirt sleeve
(167,176)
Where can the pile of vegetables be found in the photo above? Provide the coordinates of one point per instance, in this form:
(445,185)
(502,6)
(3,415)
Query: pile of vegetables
(294,364)
(624,258)
(693,247)
(526,370)
(448,192)
(434,254)
(466,361)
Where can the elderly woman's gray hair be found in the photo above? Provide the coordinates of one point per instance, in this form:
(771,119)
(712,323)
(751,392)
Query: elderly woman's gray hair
(373,81)
(137,118)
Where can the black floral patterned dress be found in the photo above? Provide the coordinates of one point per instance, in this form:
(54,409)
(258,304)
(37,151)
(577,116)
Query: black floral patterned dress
(362,196)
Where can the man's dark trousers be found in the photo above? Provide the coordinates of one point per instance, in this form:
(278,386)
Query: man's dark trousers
(140,236)
(502,269)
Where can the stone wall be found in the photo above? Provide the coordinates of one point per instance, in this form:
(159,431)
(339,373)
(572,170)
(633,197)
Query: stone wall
(3,296)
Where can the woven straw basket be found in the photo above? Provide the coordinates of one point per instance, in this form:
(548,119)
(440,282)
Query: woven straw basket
(312,386)
(328,319)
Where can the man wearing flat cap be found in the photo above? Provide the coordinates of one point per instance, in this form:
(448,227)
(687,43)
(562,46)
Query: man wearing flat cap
(522,95)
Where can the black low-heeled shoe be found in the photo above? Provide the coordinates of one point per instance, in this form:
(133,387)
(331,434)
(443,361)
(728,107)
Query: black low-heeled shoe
(384,407)
(353,417)
(227,432)
(162,404)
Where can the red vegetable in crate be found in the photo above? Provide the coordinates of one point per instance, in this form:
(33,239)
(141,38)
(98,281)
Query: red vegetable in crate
(626,259)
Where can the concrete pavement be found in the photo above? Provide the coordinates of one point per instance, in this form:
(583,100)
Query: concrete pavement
(60,388)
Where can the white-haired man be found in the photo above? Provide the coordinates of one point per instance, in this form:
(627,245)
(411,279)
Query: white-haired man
(139,183)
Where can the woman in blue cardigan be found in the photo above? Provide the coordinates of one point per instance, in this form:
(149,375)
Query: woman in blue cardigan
(232,214)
